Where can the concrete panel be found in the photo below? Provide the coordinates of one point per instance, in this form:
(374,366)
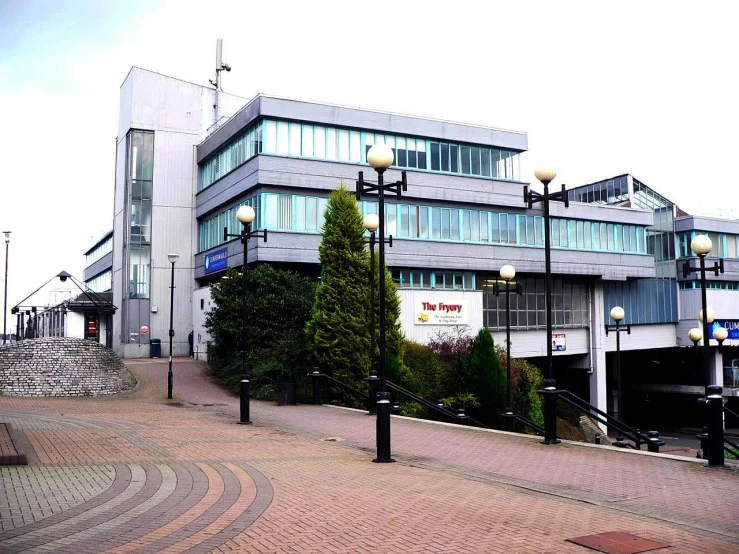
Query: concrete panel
(644,337)
(239,121)
(707,224)
(174,169)
(103,264)
(160,300)
(730,274)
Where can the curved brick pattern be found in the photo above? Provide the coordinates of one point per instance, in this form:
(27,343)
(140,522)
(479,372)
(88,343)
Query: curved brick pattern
(62,367)
(198,482)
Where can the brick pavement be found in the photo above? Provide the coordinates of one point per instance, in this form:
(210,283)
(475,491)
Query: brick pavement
(179,476)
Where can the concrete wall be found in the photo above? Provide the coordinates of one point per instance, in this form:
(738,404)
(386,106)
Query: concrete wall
(200,297)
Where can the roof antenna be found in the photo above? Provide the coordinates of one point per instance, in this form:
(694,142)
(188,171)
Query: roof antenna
(220,66)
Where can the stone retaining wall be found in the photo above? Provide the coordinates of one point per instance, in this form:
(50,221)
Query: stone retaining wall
(61,367)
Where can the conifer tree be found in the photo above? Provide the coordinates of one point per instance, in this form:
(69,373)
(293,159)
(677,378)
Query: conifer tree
(338,332)
(487,379)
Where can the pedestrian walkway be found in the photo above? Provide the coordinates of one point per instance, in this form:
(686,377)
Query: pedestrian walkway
(138,473)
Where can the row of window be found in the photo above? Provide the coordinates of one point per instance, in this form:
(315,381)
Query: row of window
(140,157)
(291,212)
(528,311)
(102,282)
(101,250)
(610,191)
(710,284)
(433,279)
(304,140)
(724,245)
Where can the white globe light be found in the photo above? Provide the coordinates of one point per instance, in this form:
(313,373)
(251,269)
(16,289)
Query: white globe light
(720,334)
(245,214)
(173,258)
(507,272)
(380,156)
(701,244)
(372,222)
(711,315)
(695,334)
(545,174)
(617,313)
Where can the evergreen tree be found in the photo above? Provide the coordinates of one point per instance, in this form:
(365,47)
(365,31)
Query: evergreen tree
(487,379)
(338,332)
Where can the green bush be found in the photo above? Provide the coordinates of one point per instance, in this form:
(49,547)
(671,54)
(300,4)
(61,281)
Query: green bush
(487,380)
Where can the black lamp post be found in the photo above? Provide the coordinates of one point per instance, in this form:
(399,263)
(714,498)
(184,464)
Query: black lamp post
(172,259)
(546,176)
(5,301)
(617,315)
(245,215)
(380,157)
(701,245)
(507,273)
(371,223)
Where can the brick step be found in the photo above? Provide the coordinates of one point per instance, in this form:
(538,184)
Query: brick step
(10,454)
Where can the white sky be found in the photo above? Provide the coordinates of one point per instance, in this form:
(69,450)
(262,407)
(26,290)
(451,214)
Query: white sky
(647,88)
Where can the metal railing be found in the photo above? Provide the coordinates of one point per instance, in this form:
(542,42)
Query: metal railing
(651,439)
(439,407)
(316,375)
(730,446)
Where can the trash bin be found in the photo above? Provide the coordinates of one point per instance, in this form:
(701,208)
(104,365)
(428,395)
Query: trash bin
(156,348)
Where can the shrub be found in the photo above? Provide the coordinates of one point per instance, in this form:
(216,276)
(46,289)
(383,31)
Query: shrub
(487,379)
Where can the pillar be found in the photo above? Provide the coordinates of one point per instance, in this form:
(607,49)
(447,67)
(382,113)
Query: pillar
(598,381)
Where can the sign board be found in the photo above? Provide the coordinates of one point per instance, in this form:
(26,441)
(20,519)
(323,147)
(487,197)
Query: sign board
(144,330)
(429,312)
(731,325)
(559,342)
(216,260)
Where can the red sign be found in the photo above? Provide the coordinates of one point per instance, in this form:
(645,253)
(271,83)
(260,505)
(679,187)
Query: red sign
(144,330)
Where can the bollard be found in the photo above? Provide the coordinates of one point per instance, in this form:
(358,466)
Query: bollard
(374,382)
(316,375)
(244,400)
(715,426)
(550,412)
(652,445)
(619,441)
(597,438)
(508,419)
(383,428)
(396,408)
(462,416)
(703,437)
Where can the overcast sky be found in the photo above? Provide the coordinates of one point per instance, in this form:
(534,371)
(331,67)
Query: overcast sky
(647,88)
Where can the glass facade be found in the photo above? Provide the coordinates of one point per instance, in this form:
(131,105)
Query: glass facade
(610,191)
(140,169)
(710,284)
(643,300)
(321,142)
(724,245)
(102,282)
(412,221)
(528,311)
(105,247)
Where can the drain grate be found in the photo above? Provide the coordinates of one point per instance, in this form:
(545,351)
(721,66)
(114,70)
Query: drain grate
(615,542)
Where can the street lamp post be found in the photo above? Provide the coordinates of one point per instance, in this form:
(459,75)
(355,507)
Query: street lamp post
(172,259)
(701,245)
(380,157)
(245,215)
(546,176)
(5,301)
(617,315)
(371,223)
(507,273)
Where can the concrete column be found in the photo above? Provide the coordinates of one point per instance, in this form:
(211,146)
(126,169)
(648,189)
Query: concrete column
(598,382)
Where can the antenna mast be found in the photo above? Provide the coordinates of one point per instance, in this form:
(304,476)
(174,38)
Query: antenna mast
(220,66)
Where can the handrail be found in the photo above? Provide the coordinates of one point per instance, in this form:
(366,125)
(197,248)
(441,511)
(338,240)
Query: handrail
(735,451)
(632,434)
(728,411)
(360,393)
(539,430)
(428,404)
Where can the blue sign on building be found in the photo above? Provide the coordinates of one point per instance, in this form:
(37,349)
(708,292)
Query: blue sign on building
(731,325)
(218,259)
